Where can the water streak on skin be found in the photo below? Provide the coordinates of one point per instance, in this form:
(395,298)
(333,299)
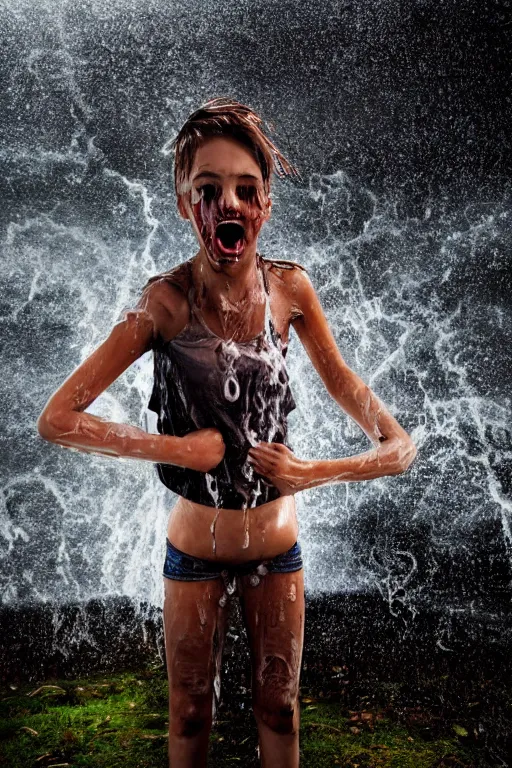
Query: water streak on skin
(202,616)
(212,529)
(246,543)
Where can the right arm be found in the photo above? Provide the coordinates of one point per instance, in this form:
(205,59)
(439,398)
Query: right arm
(64,422)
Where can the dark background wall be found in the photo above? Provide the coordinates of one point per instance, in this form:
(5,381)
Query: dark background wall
(398,115)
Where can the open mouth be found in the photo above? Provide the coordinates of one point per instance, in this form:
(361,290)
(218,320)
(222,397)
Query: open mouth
(229,238)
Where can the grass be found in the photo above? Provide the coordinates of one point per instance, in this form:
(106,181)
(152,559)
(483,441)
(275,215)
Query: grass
(120,721)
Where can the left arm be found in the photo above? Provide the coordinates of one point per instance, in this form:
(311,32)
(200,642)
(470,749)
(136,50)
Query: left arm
(393,450)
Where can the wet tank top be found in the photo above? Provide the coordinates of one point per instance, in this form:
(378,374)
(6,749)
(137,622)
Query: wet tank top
(241,388)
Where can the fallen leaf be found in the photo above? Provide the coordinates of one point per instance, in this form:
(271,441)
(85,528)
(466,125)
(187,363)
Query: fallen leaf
(459,730)
(104,722)
(355,730)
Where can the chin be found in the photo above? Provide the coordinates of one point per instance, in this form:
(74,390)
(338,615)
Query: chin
(229,257)
(228,262)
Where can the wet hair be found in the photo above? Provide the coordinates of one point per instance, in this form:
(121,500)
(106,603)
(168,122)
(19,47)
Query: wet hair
(228,118)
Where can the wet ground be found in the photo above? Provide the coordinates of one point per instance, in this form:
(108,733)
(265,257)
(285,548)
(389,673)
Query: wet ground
(377,689)
(121,720)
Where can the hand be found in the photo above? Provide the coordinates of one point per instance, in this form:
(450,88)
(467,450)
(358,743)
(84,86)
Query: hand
(278,463)
(204,449)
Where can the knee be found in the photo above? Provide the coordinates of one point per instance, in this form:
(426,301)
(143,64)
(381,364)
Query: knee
(189,716)
(276,697)
(190,690)
(280,717)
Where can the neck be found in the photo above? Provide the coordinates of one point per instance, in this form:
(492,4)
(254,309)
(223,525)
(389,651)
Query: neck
(232,283)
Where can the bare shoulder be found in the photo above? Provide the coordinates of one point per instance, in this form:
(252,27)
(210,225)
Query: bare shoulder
(165,298)
(293,280)
(164,283)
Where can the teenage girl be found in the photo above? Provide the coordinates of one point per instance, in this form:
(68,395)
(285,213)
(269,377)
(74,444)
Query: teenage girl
(218,326)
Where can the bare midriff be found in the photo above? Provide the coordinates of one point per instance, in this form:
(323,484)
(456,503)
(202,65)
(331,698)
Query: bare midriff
(240,536)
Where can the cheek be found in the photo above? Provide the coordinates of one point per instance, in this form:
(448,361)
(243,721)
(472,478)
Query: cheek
(257,211)
(203,212)
(256,216)
(196,210)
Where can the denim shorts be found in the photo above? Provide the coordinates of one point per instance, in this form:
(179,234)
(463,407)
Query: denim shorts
(183,567)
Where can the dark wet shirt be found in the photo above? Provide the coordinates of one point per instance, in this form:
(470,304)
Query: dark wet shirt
(240,388)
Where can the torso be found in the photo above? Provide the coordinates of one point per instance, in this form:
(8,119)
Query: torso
(257,533)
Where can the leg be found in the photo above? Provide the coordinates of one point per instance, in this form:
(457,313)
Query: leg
(274,616)
(194,626)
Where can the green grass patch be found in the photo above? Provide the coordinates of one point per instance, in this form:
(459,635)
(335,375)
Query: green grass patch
(368,739)
(121,721)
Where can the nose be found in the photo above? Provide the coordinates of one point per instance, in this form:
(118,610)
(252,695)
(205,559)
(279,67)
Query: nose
(228,201)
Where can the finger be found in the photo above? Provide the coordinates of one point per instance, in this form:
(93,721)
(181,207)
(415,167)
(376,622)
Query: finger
(263,467)
(263,449)
(266,473)
(266,465)
(277,446)
(260,466)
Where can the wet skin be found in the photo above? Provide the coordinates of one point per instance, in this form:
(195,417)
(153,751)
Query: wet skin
(232,303)
(195,625)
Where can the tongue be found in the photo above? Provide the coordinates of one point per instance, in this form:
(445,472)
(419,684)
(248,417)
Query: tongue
(236,250)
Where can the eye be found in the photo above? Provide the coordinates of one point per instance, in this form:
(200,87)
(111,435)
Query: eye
(246,192)
(208,192)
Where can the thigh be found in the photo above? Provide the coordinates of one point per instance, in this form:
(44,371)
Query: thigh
(274,617)
(194,630)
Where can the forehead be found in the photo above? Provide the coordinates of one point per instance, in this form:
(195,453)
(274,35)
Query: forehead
(224,157)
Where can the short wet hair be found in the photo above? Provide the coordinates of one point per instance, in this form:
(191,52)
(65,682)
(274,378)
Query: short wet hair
(228,118)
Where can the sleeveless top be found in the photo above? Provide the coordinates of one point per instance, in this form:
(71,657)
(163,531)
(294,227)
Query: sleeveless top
(241,388)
